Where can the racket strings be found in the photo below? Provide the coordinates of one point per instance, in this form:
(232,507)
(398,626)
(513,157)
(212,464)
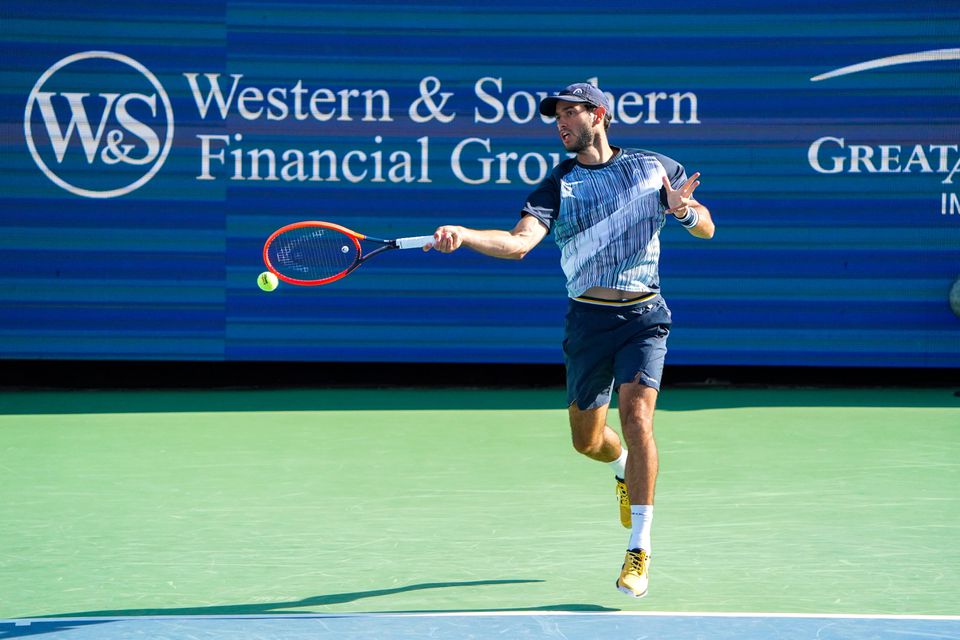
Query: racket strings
(312,254)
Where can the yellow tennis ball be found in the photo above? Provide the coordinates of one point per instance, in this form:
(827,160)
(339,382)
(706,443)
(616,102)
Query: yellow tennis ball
(955,297)
(267,281)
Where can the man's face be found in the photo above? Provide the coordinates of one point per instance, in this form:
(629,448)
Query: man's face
(575,124)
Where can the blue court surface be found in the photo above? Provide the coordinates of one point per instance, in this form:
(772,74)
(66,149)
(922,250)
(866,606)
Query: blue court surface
(508,625)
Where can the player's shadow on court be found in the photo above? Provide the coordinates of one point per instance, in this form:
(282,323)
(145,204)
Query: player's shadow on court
(40,626)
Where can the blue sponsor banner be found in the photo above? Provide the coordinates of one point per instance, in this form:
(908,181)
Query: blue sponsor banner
(147,154)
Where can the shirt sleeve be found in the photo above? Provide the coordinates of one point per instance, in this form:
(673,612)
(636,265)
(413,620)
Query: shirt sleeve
(543,203)
(676,174)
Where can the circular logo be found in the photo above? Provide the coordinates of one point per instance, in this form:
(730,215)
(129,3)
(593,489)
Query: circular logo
(96,129)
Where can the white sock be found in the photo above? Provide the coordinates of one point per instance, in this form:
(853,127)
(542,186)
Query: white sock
(619,465)
(642,515)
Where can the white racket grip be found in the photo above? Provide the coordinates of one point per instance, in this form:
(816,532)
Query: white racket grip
(417,242)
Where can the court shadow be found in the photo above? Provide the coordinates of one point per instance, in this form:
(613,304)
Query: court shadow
(680,398)
(708,397)
(34,402)
(279,607)
(65,621)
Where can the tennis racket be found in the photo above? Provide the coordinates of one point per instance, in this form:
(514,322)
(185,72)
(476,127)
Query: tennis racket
(313,253)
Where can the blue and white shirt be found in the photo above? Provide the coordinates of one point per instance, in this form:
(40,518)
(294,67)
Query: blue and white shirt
(606,219)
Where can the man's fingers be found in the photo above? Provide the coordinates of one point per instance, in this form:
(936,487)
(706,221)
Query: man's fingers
(691,184)
(445,241)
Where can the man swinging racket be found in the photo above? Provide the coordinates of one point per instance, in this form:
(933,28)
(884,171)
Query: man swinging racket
(606,207)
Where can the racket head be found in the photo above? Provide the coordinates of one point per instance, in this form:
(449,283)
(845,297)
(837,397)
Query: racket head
(312,252)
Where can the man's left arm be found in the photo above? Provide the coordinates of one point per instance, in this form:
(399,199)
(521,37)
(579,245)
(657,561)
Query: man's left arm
(690,213)
(704,227)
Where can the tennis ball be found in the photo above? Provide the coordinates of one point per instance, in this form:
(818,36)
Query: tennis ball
(955,297)
(267,281)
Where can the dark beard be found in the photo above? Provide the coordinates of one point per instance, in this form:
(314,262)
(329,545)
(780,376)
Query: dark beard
(582,140)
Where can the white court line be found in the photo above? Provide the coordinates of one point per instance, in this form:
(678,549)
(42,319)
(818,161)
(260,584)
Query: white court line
(500,614)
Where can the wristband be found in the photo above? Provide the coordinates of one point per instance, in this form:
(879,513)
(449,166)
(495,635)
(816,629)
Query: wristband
(690,219)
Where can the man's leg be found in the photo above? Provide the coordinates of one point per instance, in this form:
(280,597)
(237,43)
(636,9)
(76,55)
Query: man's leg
(637,404)
(591,435)
(595,439)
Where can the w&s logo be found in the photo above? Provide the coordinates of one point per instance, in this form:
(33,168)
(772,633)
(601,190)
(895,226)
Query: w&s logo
(98,124)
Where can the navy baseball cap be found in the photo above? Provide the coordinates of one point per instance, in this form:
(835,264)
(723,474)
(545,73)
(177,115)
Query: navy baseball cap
(578,92)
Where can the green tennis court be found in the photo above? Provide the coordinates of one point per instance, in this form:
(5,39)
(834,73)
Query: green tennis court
(365,501)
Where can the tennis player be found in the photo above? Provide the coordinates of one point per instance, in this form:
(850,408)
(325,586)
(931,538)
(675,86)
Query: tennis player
(606,207)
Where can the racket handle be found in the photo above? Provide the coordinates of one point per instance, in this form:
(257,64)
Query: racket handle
(417,242)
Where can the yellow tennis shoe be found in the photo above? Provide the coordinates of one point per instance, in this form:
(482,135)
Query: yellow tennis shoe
(633,579)
(624,498)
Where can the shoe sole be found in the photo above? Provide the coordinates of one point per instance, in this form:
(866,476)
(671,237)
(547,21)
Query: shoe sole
(629,592)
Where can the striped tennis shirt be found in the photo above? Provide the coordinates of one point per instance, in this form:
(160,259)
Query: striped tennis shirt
(606,219)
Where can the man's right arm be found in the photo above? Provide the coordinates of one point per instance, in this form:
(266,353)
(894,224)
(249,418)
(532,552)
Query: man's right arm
(510,245)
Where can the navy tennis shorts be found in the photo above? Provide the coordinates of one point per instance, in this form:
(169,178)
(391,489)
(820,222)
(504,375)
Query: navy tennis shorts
(606,346)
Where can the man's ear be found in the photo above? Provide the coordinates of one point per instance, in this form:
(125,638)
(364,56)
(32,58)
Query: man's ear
(599,112)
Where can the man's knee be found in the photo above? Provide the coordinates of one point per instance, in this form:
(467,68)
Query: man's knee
(637,405)
(589,444)
(638,431)
(586,428)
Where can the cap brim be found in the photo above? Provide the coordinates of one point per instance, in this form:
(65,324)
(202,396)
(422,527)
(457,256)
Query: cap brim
(548,106)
